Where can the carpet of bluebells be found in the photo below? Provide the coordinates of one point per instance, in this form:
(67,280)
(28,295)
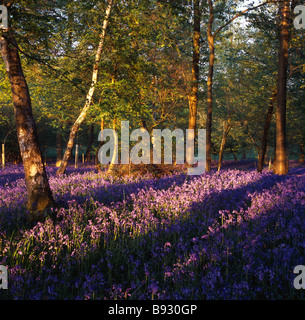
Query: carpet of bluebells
(233,234)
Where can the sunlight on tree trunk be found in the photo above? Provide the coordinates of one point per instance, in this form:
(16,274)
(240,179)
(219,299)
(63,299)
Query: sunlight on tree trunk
(37,185)
(58,148)
(89,96)
(281,165)
(193,97)
(112,165)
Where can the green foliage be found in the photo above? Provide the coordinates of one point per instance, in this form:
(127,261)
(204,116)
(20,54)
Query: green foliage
(145,70)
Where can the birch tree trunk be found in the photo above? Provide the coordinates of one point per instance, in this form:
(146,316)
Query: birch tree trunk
(37,185)
(89,96)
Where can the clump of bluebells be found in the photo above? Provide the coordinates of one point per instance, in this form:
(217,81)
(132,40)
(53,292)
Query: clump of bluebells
(223,235)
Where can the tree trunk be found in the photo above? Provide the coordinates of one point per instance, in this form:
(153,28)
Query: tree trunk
(3,156)
(111,167)
(210,87)
(302,153)
(235,157)
(102,142)
(58,148)
(258,154)
(89,96)
(226,130)
(265,133)
(281,164)
(37,185)
(244,153)
(193,97)
(90,142)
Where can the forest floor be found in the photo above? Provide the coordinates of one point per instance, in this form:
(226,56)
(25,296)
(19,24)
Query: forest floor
(233,234)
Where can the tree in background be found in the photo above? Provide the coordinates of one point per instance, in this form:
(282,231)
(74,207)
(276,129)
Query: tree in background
(193,96)
(149,72)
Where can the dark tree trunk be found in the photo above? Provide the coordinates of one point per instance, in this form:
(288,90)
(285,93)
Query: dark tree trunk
(281,164)
(96,159)
(37,185)
(302,153)
(244,153)
(265,133)
(210,87)
(59,148)
(90,143)
(226,130)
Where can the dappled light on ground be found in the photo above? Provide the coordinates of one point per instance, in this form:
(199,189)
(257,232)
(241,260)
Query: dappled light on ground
(232,234)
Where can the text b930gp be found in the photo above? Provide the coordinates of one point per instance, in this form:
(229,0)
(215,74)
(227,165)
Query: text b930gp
(173,309)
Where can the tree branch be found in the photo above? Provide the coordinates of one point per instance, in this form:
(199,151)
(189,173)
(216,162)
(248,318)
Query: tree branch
(240,14)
